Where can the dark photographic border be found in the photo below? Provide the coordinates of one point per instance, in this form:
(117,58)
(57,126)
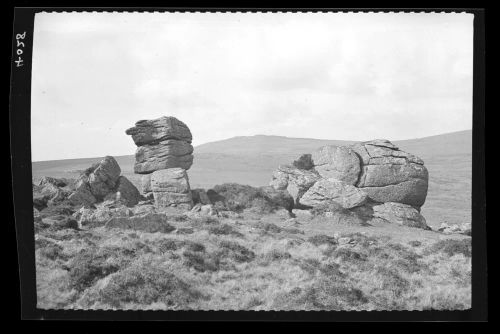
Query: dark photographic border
(20,145)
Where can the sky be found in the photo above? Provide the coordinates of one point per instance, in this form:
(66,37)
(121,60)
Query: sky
(344,76)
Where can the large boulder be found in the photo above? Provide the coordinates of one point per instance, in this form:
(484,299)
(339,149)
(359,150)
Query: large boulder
(337,162)
(162,143)
(165,154)
(326,191)
(103,182)
(103,179)
(82,194)
(149,222)
(170,187)
(296,181)
(402,214)
(391,175)
(153,131)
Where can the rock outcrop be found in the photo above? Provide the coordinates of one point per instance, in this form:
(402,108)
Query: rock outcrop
(377,173)
(162,143)
(103,182)
(391,175)
(164,153)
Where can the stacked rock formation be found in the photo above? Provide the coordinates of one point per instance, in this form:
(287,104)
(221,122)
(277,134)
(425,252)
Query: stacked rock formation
(164,153)
(374,174)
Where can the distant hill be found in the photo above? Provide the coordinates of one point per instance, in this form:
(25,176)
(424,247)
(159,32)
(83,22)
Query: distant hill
(450,143)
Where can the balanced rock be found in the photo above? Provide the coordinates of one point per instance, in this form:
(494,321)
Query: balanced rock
(332,190)
(391,175)
(170,187)
(401,214)
(337,162)
(296,181)
(162,143)
(151,131)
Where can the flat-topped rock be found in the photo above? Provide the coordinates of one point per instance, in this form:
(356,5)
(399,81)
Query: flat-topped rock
(155,130)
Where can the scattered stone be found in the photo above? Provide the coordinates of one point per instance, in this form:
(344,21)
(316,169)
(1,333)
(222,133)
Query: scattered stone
(52,180)
(208,210)
(99,216)
(402,214)
(332,190)
(143,208)
(465,228)
(345,241)
(337,162)
(60,222)
(149,222)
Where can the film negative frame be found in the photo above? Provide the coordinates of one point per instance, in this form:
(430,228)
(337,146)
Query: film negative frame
(20,104)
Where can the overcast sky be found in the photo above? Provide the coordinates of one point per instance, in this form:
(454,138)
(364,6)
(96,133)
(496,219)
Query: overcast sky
(327,76)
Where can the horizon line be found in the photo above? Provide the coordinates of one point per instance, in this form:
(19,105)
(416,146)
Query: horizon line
(263,135)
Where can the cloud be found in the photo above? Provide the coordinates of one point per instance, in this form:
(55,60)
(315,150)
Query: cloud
(334,76)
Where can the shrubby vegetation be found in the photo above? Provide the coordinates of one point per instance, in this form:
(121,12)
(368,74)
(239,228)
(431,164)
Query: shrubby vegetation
(236,197)
(256,260)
